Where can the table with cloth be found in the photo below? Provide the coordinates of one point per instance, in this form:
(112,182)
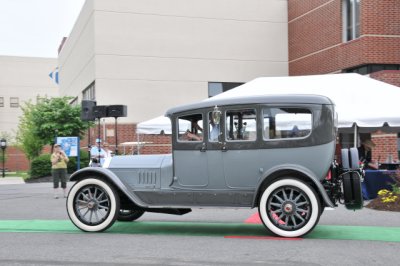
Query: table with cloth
(376,180)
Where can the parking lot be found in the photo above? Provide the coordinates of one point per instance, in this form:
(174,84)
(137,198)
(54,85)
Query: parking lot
(35,230)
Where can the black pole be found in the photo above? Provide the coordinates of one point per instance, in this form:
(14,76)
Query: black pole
(4,173)
(116,136)
(89,142)
(98,134)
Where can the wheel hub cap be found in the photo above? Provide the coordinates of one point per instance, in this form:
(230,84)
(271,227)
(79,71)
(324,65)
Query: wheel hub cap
(288,208)
(91,205)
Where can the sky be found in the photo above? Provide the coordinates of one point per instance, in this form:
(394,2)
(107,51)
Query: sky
(35,28)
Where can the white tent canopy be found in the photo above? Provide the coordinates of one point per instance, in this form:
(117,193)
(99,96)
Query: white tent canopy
(362,101)
(158,125)
(368,103)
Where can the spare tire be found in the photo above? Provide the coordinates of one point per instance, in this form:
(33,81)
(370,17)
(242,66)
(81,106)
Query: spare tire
(354,159)
(345,159)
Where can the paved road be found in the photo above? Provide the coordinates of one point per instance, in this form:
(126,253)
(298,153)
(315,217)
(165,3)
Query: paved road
(34,201)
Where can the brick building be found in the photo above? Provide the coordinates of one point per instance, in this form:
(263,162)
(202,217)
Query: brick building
(339,36)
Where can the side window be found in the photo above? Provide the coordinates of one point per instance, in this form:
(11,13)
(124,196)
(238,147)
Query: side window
(213,129)
(190,128)
(241,125)
(280,123)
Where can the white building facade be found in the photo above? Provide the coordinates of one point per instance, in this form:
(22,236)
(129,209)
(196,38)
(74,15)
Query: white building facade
(155,54)
(23,79)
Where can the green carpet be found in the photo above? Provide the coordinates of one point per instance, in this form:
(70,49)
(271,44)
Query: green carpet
(370,233)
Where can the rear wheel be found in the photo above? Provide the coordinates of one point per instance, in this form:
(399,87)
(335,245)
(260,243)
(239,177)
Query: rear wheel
(92,205)
(129,215)
(289,208)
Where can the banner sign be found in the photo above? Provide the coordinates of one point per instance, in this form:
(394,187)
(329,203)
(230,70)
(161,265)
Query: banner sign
(70,145)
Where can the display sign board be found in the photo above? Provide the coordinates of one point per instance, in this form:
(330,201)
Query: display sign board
(70,145)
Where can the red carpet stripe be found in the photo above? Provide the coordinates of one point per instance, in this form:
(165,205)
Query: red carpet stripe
(254,219)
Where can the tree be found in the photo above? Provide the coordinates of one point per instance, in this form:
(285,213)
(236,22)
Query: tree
(30,144)
(41,123)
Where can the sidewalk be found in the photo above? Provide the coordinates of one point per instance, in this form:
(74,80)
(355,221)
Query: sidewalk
(11,180)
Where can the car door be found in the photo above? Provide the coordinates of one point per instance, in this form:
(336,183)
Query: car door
(190,158)
(240,153)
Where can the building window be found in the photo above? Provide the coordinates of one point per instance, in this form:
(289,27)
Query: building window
(1,101)
(351,19)
(89,93)
(215,88)
(371,68)
(14,102)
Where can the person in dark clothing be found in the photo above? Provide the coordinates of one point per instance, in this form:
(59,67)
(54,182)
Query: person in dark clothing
(364,153)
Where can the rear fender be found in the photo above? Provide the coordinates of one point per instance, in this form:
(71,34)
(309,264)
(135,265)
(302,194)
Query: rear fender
(110,177)
(294,171)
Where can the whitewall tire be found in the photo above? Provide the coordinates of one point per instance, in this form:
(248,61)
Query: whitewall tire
(92,205)
(289,208)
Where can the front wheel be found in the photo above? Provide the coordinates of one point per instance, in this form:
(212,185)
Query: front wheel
(289,208)
(92,205)
(129,215)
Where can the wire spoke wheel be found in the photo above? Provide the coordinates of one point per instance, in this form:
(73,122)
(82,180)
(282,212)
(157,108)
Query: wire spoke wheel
(92,205)
(289,207)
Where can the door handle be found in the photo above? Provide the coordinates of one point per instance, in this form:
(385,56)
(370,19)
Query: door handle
(223,147)
(203,148)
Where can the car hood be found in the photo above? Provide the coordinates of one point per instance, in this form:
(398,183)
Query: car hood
(138,161)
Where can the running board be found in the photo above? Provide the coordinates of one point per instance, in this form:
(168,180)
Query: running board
(168,211)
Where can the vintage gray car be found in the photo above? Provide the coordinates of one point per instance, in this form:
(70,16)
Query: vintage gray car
(276,153)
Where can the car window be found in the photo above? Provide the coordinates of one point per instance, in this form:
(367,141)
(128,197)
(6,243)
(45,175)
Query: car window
(213,129)
(241,125)
(190,128)
(280,123)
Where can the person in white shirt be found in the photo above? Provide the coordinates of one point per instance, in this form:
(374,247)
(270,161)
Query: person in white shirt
(97,154)
(108,152)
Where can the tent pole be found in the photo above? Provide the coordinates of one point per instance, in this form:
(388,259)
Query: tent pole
(138,142)
(355,136)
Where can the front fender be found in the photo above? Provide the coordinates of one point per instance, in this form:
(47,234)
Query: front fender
(289,170)
(109,176)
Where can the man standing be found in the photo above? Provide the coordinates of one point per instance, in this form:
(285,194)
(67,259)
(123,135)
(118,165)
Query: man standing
(97,154)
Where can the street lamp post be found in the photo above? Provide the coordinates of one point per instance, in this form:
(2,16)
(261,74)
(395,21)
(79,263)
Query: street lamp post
(3,144)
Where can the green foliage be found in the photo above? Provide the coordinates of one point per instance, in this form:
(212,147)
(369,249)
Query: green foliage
(42,122)
(8,136)
(84,162)
(41,166)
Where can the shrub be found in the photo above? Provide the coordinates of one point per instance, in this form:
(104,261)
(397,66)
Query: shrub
(84,161)
(40,166)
